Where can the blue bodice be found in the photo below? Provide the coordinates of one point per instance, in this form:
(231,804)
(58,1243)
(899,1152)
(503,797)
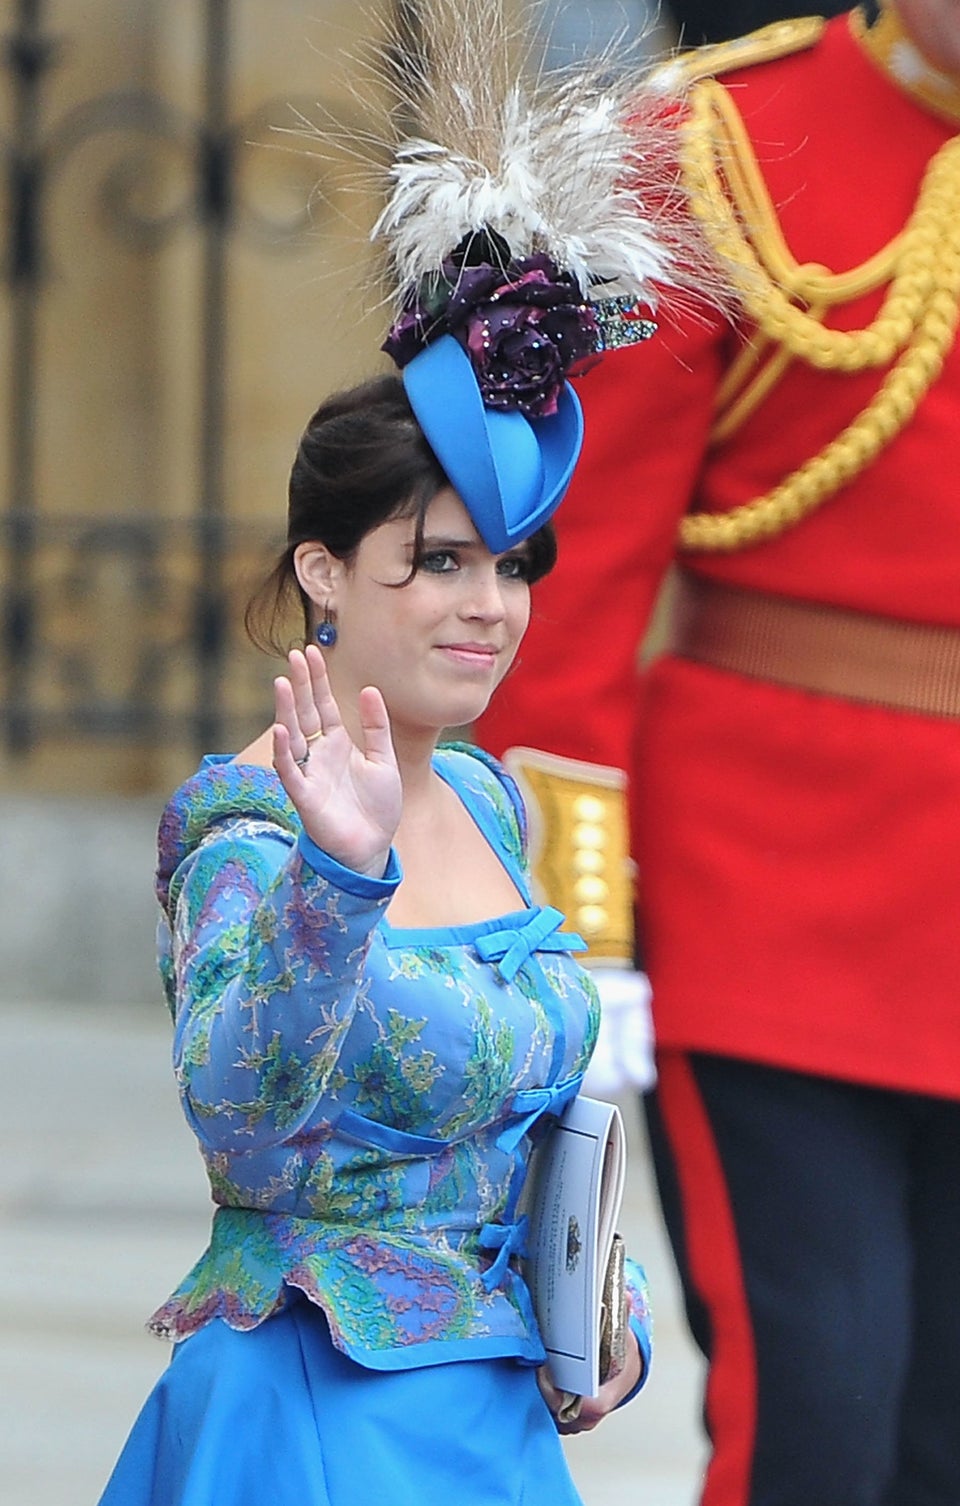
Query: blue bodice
(365,1097)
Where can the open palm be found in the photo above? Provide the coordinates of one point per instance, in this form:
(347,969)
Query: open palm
(348,797)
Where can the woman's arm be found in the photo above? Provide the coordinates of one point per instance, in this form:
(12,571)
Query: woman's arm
(270,938)
(269,943)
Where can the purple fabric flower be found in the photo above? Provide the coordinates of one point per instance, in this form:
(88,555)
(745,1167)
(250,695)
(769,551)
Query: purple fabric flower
(407,337)
(521,352)
(524,326)
(523,330)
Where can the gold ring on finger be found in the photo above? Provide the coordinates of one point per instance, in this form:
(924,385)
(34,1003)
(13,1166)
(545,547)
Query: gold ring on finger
(312,736)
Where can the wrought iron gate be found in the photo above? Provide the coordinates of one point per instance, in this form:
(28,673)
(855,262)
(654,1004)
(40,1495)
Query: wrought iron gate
(168,664)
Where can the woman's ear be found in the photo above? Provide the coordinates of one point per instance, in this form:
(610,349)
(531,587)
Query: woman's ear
(318,572)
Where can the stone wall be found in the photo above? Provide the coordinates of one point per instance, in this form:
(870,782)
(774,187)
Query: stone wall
(77,912)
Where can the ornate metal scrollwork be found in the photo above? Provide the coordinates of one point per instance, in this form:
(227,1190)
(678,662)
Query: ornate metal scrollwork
(176,587)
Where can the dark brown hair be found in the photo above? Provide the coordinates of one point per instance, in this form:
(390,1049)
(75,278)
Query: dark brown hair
(361,461)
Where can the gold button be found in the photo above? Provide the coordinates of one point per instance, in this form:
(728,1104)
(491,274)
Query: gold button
(591,919)
(588,808)
(587,835)
(587,860)
(590,890)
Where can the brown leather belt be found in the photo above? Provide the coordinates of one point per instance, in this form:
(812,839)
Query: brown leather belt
(906,666)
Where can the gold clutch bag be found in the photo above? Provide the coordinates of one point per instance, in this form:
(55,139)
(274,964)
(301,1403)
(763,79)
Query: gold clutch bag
(613,1324)
(613,1327)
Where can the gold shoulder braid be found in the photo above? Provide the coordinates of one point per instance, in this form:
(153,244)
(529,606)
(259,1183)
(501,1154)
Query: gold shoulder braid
(764,46)
(914,328)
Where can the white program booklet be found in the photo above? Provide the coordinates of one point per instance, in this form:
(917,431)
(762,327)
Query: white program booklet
(573,1203)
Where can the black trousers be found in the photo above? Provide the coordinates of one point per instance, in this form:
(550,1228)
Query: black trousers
(816,1227)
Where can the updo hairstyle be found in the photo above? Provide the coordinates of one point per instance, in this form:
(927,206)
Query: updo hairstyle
(362,461)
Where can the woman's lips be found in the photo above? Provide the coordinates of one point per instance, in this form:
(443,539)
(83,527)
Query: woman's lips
(476,655)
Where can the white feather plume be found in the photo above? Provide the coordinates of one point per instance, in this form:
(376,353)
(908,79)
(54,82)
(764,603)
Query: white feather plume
(579,165)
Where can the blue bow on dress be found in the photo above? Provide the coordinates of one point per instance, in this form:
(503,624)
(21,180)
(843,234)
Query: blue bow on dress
(511,947)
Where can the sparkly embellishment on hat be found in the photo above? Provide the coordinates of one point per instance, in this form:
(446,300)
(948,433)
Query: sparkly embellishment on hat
(620,323)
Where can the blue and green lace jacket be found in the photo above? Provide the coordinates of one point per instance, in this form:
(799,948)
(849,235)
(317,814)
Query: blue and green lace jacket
(365,1098)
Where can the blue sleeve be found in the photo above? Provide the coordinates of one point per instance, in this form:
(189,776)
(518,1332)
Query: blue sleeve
(269,938)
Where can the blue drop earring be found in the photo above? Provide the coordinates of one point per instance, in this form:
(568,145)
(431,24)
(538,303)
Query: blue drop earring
(326,632)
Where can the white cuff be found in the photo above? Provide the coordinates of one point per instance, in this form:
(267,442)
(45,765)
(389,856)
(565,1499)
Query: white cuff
(623,1057)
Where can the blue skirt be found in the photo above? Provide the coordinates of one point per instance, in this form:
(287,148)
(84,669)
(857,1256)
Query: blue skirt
(277,1416)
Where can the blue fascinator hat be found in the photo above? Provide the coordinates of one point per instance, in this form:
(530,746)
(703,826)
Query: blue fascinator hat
(510,470)
(519,248)
(486,345)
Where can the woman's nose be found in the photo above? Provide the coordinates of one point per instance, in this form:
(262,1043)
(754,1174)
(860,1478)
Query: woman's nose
(485,597)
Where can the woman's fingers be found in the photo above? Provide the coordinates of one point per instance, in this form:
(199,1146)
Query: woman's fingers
(305,707)
(591,1409)
(285,712)
(290,744)
(304,701)
(348,797)
(307,710)
(375,723)
(288,770)
(549,1392)
(325,705)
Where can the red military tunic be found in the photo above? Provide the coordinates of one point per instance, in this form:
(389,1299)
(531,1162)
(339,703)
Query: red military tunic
(799,855)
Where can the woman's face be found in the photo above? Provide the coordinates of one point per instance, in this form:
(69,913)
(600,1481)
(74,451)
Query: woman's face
(437,647)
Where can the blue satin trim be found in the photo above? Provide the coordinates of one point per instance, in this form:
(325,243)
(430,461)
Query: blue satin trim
(531,1103)
(357,1127)
(509,1237)
(511,947)
(508,1240)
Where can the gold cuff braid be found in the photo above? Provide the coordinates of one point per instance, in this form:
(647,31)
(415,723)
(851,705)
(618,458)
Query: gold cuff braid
(578,824)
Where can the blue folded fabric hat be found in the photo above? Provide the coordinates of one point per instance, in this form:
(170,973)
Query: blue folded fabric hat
(519,248)
(509,470)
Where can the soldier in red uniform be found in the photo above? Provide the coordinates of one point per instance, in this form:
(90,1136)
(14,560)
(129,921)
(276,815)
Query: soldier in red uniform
(794,755)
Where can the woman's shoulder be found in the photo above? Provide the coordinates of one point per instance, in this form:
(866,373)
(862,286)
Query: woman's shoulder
(221,790)
(474,771)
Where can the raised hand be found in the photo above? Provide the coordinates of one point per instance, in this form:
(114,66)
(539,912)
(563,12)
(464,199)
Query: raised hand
(348,797)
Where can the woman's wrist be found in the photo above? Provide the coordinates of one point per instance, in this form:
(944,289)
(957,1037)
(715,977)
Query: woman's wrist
(382,878)
(376,867)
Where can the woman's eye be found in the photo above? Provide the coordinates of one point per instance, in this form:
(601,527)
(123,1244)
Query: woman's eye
(514,566)
(439,562)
